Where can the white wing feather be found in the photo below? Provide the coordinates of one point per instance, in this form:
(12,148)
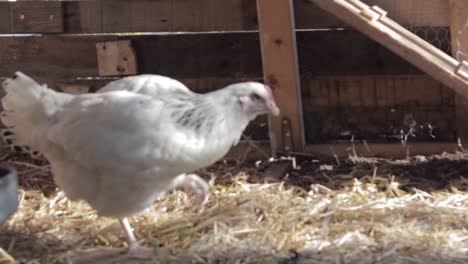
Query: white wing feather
(102,130)
(147,84)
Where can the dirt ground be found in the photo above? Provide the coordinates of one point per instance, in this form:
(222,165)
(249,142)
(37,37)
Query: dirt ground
(312,210)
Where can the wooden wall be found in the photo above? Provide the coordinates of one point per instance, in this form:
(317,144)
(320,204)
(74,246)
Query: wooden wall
(349,83)
(106,16)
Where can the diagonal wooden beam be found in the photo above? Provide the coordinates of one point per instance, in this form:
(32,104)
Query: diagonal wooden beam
(280,71)
(373,22)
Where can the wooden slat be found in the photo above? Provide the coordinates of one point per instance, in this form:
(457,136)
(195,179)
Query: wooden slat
(347,53)
(61,57)
(310,16)
(381,150)
(433,13)
(459,35)
(5,18)
(116,58)
(416,13)
(191,15)
(201,55)
(90,16)
(37,17)
(180,56)
(374,107)
(214,15)
(82,16)
(280,70)
(234,15)
(136,16)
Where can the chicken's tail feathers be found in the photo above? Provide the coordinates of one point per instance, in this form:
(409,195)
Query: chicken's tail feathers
(20,90)
(25,109)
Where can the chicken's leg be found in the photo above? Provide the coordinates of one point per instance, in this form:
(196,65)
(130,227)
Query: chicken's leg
(129,236)
(114,255)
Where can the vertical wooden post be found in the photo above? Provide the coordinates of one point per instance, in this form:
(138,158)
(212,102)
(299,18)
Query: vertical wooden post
(459,39)
(281,73)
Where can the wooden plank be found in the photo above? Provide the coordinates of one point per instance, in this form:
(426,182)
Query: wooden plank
(373,108)
(136,15)
(193,55)
(234,15)
(61,57)
(214,15)
(37,17)
(5,18)
(347,53)
(190,15)
(459,36)
(116,58)
(310,16)
(414,13)
(208,15)
(280,70)
(200,55)
(390,150)
(82,16)
(396,38)
(219,55)
(433,13)
(90,16)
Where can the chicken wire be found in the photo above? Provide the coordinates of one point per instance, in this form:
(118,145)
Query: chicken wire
(427,19)
(439,37)
(416,21)
(461,52)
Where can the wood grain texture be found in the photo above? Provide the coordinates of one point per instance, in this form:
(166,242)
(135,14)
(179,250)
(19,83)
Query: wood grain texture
(201,55)
(37,17)
(136,16)
(414,13)
(280,70)
(376,108)
(110,16)
(434,13)
(82,16)
(90,16)
(189,15)
(459,36)
(180,56)
(234,15)
(347,52)
(5,18)
(116,58)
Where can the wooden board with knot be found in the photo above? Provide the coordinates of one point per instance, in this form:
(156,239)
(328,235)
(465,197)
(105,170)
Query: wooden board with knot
(116,58)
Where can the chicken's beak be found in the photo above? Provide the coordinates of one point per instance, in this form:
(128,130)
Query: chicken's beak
(273,108)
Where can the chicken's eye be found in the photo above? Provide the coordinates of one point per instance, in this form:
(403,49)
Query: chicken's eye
(255,97)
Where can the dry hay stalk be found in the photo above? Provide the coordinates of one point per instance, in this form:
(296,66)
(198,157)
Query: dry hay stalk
(352,219)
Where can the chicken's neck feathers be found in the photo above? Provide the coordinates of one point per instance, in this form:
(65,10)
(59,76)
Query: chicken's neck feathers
(214,113)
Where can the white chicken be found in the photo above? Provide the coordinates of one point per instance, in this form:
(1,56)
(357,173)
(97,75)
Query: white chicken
(120,149)
(147,84)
